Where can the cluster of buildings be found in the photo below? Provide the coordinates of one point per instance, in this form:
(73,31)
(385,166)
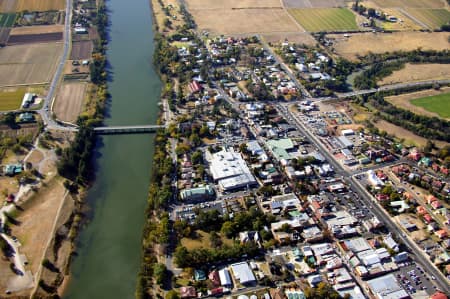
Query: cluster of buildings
(324,232)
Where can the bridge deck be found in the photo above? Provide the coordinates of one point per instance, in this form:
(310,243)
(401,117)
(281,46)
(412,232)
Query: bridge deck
(128,129)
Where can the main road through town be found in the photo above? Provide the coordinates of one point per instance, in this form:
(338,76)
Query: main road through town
(109,247)
(355,186)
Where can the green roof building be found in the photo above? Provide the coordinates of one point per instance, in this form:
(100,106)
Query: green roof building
(199,275)
(13,169)
(280,148)
(26,117)
(199,193)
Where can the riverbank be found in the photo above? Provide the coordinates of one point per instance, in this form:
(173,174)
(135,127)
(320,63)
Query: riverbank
(107,258)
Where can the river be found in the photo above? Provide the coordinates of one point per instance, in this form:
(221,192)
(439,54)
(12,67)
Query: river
(109,246)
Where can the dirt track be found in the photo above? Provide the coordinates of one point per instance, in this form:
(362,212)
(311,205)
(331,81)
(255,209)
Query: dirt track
(69,101)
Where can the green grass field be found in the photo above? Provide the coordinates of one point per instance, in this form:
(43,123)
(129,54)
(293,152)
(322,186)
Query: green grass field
(434,18)
(11,100)
(7,19)
(439,104)
(325,19)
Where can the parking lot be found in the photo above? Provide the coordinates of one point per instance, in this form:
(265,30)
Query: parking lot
(188,212)
(414,280)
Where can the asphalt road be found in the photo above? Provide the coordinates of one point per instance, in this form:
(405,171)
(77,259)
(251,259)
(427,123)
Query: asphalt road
(46,110)
(354,184)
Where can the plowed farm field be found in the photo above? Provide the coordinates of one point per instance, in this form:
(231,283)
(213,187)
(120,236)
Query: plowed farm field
(28,64)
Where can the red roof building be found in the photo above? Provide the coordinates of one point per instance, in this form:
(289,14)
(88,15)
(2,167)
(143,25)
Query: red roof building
(421,210)
(188,292)
(435,167)
(214,277)
(430,199)
(415,156)
(441,234)
(382,197)
(438,295)
(428,219)
(436,204)
(195,87)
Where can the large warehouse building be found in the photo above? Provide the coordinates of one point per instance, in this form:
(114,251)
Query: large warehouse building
(230,171)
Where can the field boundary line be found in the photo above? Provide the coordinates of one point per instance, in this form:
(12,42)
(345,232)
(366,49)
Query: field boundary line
(292,17)
(417,21)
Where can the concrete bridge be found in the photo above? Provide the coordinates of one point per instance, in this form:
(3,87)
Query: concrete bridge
(128,129)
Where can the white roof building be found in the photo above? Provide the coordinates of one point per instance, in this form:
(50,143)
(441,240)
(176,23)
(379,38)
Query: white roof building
(373,179)
(387,287)
(230,171)
(225,278)
(243,273)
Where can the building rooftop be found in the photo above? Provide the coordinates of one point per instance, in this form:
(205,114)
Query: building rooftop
(230,171)
(357,245)
(387,287)
(342,218)
(203,191)
(243,273)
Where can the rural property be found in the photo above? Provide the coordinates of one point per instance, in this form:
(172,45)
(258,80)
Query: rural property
(69,101)
(363,43)
(325,19)
(242,17)
(28,64)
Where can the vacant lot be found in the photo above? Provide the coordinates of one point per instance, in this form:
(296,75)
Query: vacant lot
(201,241)
(292,37)
(81,50)
(36,222)
(8,5)
(433,18)
(4,35)
(439,104)
(325,19)
(7,19)
(35,38)
(418,72)
(27,64)
(244,21)
(313,3)
(26,30)
(410,3)
(363,43)
(404,101)
(399,132)
(69,101)
(41,5)
(409,137)
(229,4)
